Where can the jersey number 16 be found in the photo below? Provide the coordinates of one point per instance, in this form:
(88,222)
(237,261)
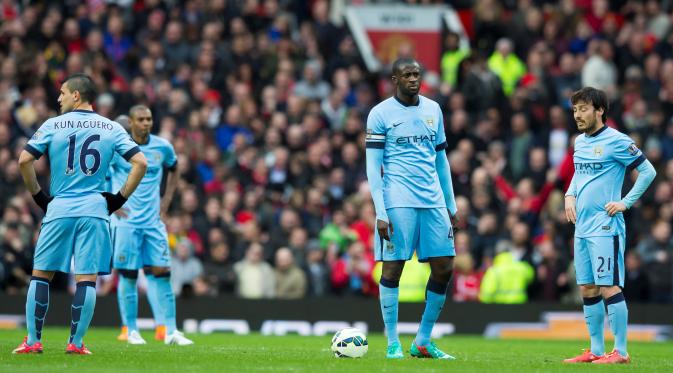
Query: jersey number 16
(85,152)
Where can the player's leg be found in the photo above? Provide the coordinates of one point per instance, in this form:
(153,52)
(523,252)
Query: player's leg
(436,246)
(153,300)
(127,260)
(37,303)
(83,304)
(610,279)
(52,253)
(594,309)
(156,255)
(393,254)
(93,257)
(124,333)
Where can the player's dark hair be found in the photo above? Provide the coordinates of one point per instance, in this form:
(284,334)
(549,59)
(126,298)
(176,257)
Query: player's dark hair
(597,98)
(401,62)
(136,108)
(83,84)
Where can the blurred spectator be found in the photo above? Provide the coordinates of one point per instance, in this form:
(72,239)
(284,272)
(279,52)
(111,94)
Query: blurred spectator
(637,283)
(317,272)
(466,281)
(656,252)
(218,270)
(452,57)
(506,65)
(185,267)
(551,280)
(351,273)
(290,280)
(506,281)
(254,277)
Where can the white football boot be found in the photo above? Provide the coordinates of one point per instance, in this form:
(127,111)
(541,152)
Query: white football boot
(177,338)
(135,338)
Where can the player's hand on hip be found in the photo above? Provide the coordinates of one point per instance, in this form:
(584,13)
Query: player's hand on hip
(114,201)
(122,213)
(42,199)
(382,227)
(614,207)
(571,213)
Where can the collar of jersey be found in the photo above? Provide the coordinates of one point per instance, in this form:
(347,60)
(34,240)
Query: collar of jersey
(82,111)
(149,138)
(595,134)
(418,103)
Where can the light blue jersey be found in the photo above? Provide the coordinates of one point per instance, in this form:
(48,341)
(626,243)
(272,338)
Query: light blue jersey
(80,145)
(601,161)
(410,137)
(144,204)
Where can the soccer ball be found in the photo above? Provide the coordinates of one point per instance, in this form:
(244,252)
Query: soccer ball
(349,342)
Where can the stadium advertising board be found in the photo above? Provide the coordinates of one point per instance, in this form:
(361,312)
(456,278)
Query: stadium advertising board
(325,316)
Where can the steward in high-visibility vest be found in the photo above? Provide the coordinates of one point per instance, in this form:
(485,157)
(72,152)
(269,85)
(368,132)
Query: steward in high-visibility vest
(506,281)
(413,281)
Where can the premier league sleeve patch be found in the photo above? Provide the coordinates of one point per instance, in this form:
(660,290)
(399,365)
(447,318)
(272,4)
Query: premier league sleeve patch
(633,149)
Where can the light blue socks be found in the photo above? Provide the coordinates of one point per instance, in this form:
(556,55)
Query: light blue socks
(618,315)
(435,295)
(389,293)
(594,315)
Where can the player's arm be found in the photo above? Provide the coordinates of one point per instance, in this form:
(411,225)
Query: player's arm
(27,169)
(646,174)
(35,147)
(171,164)
(138,168)
(630,156)
(444,169)
(128,149)
(171,186)
(570,201)
(444,173)
(375,144)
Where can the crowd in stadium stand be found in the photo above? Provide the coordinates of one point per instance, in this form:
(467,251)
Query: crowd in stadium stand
(265,102)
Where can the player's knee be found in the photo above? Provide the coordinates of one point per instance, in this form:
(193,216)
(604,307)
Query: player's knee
(160,272)
(129,273)
(442,276)
(609,291)
(590,291)
(392,271)
(390,283)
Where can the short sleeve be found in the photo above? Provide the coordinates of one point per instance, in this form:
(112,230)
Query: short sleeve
(124,144)
(376,131)
(170,158)
(440,141)
(39,142)
(627,153)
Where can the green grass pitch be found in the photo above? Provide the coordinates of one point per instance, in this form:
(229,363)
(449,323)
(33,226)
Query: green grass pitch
(256,353)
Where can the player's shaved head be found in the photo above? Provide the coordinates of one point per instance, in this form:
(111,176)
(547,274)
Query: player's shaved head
(135,110)
(401,63)
(83,84)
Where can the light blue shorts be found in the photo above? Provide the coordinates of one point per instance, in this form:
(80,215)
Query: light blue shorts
(86,239)
(600,260)
(135,248)
(427,231)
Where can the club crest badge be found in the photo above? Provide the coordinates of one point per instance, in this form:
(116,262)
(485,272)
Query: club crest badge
(598,151)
